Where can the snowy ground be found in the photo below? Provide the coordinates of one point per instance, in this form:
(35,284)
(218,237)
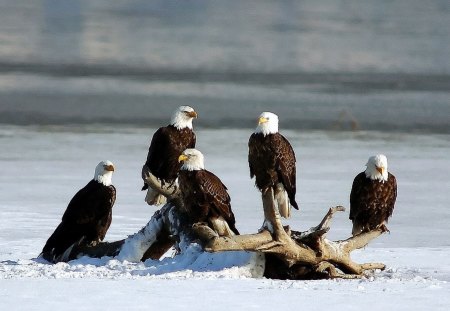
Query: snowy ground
(42,167)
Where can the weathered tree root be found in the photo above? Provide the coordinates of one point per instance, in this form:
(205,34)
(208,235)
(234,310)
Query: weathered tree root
(152,241)
(289,254)
(309,248)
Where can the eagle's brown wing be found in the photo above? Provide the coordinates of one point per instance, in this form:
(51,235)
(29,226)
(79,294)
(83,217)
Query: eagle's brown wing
(262,161)
(165,147)
(371,201)
(90,204)
(158,146)
(86,219)
(106,218)
(285,165)
(390,195)
(214,194)
(358,195)
(252,154)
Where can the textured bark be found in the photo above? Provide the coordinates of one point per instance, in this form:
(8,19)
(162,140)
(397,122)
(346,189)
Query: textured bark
(168,190)
(302,252)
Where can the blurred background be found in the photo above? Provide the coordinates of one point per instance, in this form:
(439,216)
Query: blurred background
(92,79)
(327,64)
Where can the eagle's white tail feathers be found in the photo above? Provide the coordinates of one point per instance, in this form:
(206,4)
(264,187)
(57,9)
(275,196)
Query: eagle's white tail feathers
(153,197)
(282,199)
(221,227)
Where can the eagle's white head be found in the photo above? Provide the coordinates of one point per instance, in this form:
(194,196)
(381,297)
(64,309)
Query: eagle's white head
(192,159)
(183,117)
(103,173)
(267,123)
(377,168)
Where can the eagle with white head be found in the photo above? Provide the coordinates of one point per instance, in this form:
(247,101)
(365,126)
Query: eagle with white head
(373,196)
(204,196)
(271,159)
(87,217)
(166,145)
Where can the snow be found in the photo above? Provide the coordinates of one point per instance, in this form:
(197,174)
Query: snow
(42,167)
(135,245)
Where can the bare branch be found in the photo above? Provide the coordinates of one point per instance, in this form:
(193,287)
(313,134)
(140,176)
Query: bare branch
(326,221)
(361,240)
(309,248)
(168,190)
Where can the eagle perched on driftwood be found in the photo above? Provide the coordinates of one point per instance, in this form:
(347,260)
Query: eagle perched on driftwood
(204,196)
(373,196)
(272,161)
(87,217)
(167,144)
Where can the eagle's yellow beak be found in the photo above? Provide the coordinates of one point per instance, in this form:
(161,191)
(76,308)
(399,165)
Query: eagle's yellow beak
(192,114)
(262,120)
(380,170)
(109,168)
(182,158)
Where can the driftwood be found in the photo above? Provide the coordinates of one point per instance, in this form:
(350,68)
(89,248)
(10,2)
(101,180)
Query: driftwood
(289,254)
(303,253)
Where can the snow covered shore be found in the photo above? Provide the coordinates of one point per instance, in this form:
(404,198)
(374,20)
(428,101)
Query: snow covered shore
(44,166)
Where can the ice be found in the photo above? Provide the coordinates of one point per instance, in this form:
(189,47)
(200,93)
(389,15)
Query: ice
(42,168)
(321,64)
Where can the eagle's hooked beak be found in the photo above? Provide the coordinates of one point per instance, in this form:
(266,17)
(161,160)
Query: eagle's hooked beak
(192,114)
(380,170)
(109,168)
(182,158)
(262,120)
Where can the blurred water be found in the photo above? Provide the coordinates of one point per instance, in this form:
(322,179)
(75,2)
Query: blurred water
(318,64)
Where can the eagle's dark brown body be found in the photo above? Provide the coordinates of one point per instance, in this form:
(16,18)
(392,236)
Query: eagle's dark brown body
(371,202)
(86,220)
(272,161)
(166,145)
(205,197)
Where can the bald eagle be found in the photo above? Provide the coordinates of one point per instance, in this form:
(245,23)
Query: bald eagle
(272,161)
(373,196)
(87,217)
(204,196)
(166,145)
